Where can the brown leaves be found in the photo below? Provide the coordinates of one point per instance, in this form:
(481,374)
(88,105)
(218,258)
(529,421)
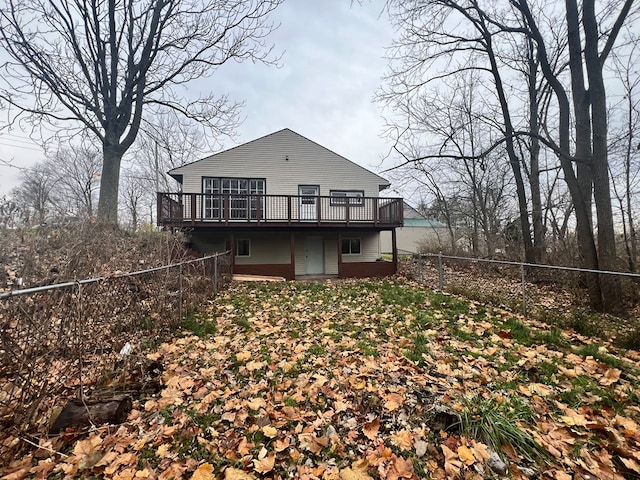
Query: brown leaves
(293,396)
(231,473)
(357,471)
(370,429)
(265,462)
(203,472)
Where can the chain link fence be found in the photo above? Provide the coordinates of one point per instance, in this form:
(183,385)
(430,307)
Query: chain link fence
(554,294)
(57,341)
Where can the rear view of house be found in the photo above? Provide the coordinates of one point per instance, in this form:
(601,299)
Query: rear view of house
(285,206)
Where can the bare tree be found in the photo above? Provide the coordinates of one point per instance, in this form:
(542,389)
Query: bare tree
(106,65)
(9,212)
(75,170)
(442,39)
(624,165)
(466,188)
(35,194)
(430,50)
(133,196)
(591,176)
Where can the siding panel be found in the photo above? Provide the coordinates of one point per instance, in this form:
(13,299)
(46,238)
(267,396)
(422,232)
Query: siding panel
(285,159)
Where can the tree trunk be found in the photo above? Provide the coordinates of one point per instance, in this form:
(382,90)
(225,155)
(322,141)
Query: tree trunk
(514,161)
(78,414)
(109,184)
(611,289)
(534,162)
(584,231)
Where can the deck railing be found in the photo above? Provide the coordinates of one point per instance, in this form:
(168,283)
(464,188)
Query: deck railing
(175,209)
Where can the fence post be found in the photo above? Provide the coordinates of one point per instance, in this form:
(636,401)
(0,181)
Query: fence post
(420,276)
(440,272)
(180,304)
(524,291)
(215,275)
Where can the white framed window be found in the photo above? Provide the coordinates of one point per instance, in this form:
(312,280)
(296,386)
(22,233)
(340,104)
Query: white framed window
(242,202)
(351,246)
(341,197)
(243,247)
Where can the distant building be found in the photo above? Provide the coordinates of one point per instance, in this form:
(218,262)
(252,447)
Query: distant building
(417,233)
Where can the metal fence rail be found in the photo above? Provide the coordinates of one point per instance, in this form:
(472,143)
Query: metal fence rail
(523,266)
(57,340)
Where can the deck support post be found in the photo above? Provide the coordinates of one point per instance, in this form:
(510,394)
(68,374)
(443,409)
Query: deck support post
(232,241)
(394,247)
(339,255)
(292,251)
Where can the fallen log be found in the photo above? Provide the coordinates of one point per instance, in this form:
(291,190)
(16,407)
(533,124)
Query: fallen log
(78,413)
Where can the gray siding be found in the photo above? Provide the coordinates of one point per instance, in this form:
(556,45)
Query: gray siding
(266,247)
(285,159)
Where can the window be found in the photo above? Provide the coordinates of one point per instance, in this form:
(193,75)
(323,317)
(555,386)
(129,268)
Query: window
(243,247)
(340,197)
(242,194)
(351,246)
(309,194)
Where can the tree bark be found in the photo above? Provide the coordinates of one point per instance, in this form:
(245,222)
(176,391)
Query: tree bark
(611,289)
(78,414)
(534,160)
(109,184)
(586,243)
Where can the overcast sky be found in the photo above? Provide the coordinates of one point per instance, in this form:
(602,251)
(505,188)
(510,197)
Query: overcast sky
(332,64)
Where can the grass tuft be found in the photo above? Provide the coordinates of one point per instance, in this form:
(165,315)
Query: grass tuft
(595,351)
(420,346)
(496,422)
(200,327)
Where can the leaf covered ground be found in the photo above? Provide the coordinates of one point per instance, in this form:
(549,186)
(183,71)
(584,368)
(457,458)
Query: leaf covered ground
(366,379)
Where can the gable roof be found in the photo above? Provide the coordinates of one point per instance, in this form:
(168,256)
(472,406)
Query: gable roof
(177,172)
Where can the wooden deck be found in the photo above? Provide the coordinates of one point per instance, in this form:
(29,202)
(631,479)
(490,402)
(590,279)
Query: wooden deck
(275,211)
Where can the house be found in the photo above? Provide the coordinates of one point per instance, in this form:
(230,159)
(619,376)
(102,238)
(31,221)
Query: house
(417,233)
(285,206)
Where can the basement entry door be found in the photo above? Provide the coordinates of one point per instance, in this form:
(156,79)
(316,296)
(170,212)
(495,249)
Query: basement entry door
(314,255)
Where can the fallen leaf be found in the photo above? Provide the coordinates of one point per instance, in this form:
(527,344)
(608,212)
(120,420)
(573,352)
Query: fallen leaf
(403,439)
(357,471)
(420,447)
(280,445)
(452,464)
(466,455)
(236,474)
(574,420)
(630,464)
(256,403)
(269,431)
(203,472)
(266,464)
(244,355)
(370,429)
(393,401)
(610,377)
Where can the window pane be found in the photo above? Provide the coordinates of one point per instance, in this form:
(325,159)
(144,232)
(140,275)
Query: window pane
(243,247)
(351,246)
(345,246)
